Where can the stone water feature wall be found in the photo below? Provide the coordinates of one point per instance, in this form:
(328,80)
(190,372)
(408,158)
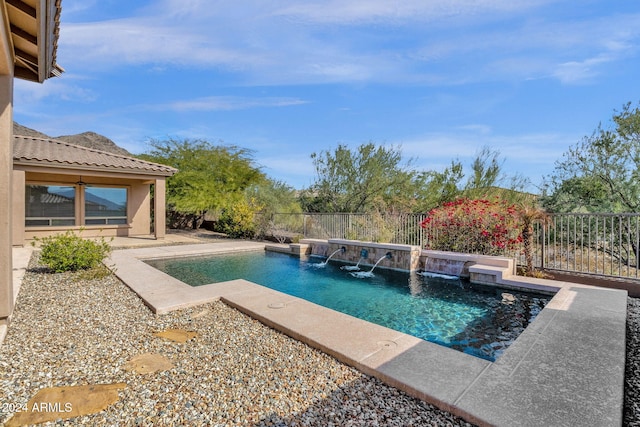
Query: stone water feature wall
(403,257)
(450,267)
(488,270)
(481,269)
(477,268)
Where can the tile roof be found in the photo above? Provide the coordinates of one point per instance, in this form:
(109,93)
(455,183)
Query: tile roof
(56,153)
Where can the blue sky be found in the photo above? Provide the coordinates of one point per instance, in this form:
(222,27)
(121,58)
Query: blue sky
(438,79)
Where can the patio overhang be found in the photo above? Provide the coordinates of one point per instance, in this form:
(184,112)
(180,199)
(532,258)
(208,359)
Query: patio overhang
(39,162)
(34,28)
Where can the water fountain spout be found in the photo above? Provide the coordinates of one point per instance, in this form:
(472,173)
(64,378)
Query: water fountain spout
(364,254)
(369,273)
(342,249)
(388,255)
(324,264)
(352,267)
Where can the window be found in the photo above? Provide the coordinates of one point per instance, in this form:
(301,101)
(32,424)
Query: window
(50,205)
(55,205)
(105,205)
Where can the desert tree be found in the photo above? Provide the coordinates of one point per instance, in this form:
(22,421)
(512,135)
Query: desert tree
(369,178)
(210,177)
(602,172)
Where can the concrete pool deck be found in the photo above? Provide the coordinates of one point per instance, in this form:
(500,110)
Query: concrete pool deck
(566,368)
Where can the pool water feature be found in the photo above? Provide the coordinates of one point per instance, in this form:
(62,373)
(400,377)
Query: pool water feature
(366,274)
(444,266)
(363,255)
(479,320)
(326,261)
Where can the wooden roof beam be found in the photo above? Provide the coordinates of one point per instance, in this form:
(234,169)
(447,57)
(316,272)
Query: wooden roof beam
(23,7)
(25,74)
(19,32)
(26,58)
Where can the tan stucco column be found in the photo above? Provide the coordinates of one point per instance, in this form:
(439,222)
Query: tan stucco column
(159,208)
(6,168)
(18,208)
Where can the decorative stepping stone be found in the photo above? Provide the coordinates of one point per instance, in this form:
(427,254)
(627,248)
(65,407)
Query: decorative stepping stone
(148,363)
(54,403)
(200,314)
(177,335)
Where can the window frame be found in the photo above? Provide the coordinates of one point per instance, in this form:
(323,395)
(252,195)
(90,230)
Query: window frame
(52,219)
(107,219)
(79,219)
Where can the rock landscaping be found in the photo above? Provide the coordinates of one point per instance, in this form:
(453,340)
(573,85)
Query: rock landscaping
(219,366)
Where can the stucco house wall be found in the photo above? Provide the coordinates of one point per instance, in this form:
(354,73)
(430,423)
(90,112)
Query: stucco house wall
(28,46)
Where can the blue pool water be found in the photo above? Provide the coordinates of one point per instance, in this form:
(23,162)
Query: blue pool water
(478,320)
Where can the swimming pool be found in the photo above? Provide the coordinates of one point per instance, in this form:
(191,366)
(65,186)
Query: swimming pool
(479,320)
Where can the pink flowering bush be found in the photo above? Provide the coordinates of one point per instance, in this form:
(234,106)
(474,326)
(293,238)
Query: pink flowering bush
(489,227)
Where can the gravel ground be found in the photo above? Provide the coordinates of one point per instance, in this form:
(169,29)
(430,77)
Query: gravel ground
(632,373)
(69,330)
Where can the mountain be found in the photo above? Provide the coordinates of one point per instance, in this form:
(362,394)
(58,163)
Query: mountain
(18,129)
(85,139)
(95,141)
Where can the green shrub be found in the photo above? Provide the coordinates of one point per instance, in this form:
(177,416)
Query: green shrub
(70,252)
(239,220)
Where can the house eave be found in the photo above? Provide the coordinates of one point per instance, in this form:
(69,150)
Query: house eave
(54,167)
(34,29)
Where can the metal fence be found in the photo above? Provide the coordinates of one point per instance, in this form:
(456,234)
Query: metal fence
(598,244)
(389,228)
(602,244)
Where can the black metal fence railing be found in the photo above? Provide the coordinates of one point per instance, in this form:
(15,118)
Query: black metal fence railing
(601,244)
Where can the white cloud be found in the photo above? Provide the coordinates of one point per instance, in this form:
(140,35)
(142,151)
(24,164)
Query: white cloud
(479,129)
(307,42)
(367,11)
(76,7)
(221,103)
(529,155)
(29,93)
(529,147)
(569,51)
(574,72)
(141,41)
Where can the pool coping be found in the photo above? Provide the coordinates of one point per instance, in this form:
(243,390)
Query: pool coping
(566,368)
